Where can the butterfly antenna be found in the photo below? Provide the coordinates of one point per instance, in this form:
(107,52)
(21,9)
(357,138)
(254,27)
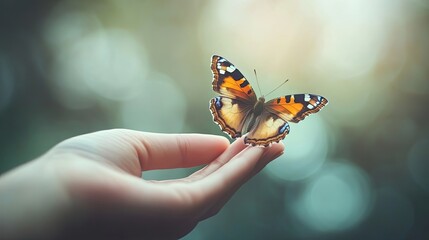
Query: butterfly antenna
(277,87)
(257,82)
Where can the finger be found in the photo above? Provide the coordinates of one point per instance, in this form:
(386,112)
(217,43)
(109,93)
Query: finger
(136,151)
(227,179)
(223,200)
(227,155)
(161,151)
(233,150)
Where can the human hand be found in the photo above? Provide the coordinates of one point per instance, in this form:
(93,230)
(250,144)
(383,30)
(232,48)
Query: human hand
(90,186)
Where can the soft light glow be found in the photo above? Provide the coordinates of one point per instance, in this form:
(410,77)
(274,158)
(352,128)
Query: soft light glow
(336,199)
(264,32)
(351,44)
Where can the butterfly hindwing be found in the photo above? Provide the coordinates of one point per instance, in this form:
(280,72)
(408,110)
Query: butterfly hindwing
(229,114)
(294,108)
(268,128)
(229,82)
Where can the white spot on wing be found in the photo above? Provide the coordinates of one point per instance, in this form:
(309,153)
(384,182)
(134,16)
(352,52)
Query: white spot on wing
(307,97)
(221,71)
(309,106)
(230,69)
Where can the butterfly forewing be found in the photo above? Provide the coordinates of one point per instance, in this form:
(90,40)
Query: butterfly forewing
(229,82)
(294,108)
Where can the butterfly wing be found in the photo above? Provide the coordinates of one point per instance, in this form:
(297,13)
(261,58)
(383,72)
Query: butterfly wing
(229,82)
(272,125)
(230,115)
(231,109)
(294,108)
(268,128)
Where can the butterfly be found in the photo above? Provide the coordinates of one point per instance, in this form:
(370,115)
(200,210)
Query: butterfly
(238,111)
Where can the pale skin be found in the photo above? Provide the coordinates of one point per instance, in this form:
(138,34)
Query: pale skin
(90,186)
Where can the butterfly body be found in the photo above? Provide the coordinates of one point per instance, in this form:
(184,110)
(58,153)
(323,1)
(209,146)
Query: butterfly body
(238,111)
(259,106)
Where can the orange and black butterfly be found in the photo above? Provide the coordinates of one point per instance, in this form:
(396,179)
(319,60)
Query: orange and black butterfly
(238,111)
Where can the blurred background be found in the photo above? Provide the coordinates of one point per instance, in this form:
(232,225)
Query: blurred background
(359,169)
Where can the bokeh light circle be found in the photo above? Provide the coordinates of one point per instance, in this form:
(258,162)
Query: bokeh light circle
(159,107)
(336,199)
(65,28)
(112,63)
(107,63)
(306,148)
(92,61)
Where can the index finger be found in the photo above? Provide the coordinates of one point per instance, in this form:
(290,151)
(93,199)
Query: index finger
(235,172)
(161,151)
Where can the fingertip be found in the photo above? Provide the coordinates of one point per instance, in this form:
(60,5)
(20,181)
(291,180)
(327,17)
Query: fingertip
(277,149)
(220,143)
(223,141)
(259,152)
